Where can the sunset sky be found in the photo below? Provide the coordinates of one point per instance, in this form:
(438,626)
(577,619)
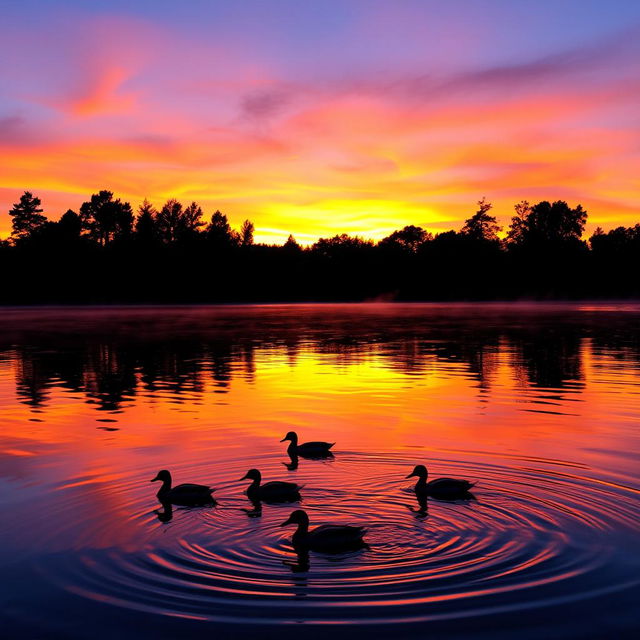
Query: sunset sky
(316,118)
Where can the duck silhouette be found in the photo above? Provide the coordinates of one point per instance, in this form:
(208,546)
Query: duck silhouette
(326,537)
(307,449)
(183,494)
(274,491)
(443,488)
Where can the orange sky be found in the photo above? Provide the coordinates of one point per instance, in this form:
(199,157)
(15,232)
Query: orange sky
(355,128)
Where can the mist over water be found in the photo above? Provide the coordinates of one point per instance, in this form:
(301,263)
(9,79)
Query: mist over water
(540,404)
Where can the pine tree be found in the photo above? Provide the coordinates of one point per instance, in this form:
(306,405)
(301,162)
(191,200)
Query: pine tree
(246,233)
(482,226)
(146,222)
(27,217)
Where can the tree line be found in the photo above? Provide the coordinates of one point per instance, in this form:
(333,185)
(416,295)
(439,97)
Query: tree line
(107,253)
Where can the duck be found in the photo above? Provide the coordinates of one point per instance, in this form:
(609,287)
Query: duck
(308,449)
(450,488)
(182,494)
(274,491)
(327,537)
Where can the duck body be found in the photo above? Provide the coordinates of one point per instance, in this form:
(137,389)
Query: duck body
(183,494)
(326,537)
(447,488)
(273,491)
(307,449)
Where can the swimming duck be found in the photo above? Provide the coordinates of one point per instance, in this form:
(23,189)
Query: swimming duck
(274,491)
(183,494)
(440,488)
(327,537)
(308,449)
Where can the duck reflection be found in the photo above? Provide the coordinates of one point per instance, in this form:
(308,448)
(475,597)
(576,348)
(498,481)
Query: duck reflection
(292,465)
(294,459)
(256,509)
(166,513)
(422,510)
(301,563)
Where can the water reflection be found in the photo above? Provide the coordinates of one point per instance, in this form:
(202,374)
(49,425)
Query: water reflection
(255,511)
(301,563)
(166,513)
(539,404)
(293,463)
(111,367)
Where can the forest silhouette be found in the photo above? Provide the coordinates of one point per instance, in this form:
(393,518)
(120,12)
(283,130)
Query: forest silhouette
(107,253)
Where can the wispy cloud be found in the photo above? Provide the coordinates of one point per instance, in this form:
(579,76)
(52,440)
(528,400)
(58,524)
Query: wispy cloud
(153,114)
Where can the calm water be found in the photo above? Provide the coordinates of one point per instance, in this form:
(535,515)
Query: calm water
(539,404)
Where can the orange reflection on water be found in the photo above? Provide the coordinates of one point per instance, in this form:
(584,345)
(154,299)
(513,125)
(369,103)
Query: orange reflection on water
(540,406)
(361,397)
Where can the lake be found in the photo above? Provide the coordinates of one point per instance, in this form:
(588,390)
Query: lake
(538,403)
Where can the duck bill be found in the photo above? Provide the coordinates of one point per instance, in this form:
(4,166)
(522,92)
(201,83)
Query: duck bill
(284,439)
(411,475)
(286,522)
(245,477)
(155,479)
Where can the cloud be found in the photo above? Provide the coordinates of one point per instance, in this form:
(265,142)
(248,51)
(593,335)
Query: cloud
(158,115)
(265,104)
(102,93)
(12,129)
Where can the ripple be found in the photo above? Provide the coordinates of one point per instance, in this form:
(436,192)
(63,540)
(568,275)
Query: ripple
(538,532)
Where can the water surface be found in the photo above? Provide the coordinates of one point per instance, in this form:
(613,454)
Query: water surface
(538,403)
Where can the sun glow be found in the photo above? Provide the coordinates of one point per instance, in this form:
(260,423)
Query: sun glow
(323,144)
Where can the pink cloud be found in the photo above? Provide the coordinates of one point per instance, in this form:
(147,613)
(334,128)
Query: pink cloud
(207,122)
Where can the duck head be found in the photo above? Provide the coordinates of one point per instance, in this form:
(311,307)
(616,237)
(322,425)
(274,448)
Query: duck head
(252,474)
(292,436)
(419,470)
(164,476)
(298,517)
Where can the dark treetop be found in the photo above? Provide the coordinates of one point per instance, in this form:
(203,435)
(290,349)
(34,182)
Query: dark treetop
(106,253)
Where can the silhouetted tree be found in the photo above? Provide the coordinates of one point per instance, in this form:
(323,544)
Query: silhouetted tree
(341,245)
(26,217)
(409,238)
(219,232)
(69,226)
(169,220)
(191,221)
(246,233)
(517,234)
(620,241)
(616,261)
(543,257)
(146,230)
(106,219)
(482,226)
(291,245)
(544,223)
